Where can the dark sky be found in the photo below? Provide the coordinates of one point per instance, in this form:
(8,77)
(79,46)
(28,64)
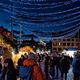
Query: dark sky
(60,15)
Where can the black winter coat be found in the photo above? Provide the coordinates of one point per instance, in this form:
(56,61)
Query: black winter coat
(9,73)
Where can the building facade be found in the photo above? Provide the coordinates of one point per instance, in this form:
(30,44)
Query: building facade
(61,44)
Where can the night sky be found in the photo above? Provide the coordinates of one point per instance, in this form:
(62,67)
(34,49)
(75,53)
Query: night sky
(42,18)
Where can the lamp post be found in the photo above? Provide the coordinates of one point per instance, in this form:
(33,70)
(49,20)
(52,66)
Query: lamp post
(52,43)
(11,8)
(20,34)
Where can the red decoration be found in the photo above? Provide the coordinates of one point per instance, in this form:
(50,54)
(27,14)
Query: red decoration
(8,33)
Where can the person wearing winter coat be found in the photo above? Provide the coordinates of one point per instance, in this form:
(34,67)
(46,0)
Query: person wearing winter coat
(0,66)
(37,72)
(52,66)
(9,71)
(64,66)
(76,68)
(46,62)
(20,61)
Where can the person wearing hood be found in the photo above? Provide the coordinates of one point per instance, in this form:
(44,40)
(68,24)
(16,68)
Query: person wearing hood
(9,72)
(37,72)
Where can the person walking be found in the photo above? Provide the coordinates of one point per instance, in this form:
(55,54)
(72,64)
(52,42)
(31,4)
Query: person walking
(76,66)
(36,72)
(52,67)
(64,66)
(0,67)
(9,71)
(46,62)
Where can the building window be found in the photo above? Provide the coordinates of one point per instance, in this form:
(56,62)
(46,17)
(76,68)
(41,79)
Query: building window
(77,39)
(59,49)
(77,44)
(72,39)
(54,44)
(59,39)
(64,44)
(59,44)
(64,39)
(54,48)
(68,39)
(55,39)
(68,44)
(72,44)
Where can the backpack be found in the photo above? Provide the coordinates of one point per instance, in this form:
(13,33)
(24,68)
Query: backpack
(26,72)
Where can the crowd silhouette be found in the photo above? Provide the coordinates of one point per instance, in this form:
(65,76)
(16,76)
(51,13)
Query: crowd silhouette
(45,67)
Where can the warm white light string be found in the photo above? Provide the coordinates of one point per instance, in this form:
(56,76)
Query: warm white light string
(54,17)
(55,13)
(50,32)
(62,36)
(14,7)
(56,34)
(69,21)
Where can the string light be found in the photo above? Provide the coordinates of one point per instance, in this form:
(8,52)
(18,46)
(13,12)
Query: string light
(54,34)
(45,16)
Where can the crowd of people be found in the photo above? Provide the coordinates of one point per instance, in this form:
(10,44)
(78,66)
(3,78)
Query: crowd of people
(44,67)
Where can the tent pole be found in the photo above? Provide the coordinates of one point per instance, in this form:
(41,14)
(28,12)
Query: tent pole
(12,20)
(52,45)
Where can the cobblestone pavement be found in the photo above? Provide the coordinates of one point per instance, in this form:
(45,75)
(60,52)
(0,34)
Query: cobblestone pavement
(69,76)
